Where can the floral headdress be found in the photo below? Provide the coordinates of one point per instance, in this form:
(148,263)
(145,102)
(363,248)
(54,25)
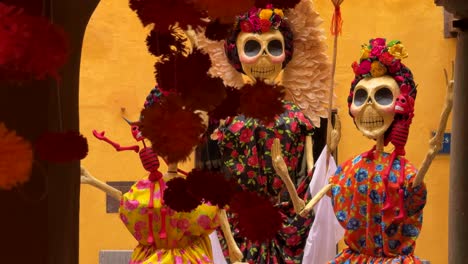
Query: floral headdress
(379,58)
(259,20)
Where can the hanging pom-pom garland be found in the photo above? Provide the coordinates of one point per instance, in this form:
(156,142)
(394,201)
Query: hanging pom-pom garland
(61,147)
(211,186)
(165,43)
(261,101)
(228,107)
(224,11)
(257,218)
(16,159)
(172,129)
(178,197)
(215,30)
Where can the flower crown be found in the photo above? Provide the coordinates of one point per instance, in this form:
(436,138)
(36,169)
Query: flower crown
(379,58)
(259,20)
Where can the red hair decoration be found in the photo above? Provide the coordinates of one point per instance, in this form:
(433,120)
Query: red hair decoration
(61,147)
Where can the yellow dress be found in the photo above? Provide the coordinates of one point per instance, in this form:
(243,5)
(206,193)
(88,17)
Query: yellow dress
(164,235)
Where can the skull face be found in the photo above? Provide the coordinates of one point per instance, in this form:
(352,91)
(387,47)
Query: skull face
(373,106)
(136,133)
(261,55)
(404,104)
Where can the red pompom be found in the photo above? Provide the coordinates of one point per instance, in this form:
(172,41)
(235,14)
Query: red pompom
(165,43)
(188,76)
(210,186)
(261,101)
(215,30)
(30,46)
(258,219)
(228,107)
(281,4)
(173,130)
(164,13)
(225,11)
(61,146)
(178,197)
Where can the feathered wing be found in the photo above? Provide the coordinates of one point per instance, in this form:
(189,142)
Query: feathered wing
(307,76)
(220,66)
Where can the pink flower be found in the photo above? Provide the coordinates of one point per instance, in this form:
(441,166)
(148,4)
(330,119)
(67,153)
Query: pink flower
(234,154)
(236,126)
(139,226)
(277,183)
(246,135)
(124,218)
(377,42)
(204,221)
(131,204)
(376,51)
(364,67)
(143,184)
(399,79)
(240,168)
(183,224)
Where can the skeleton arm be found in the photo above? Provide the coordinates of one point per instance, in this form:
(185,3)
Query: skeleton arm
(280,167)
(235,255)
(86,178)
(100,136)
(310,205)
(335,136)
(309,153)
(436,141)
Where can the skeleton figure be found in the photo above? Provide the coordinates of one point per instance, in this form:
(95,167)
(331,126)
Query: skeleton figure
(379,197)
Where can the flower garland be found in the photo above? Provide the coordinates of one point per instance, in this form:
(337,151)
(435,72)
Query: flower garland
(259,20)
(379,58)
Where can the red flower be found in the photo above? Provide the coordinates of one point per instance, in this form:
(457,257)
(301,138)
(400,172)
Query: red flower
(240,168)
(386,58)
(376,51)
(277,183)
(246,26)
(395,67)
(292,241)
(252,161)
(269,143)
(377,42)
(234,154)
(262,180)
(246,135)
(355,67)
(290,229)
(265,25)
(251,174)
(364,67)
(236,126)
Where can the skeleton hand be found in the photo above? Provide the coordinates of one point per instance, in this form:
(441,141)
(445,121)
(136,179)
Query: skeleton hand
(99,135)
(86,177)
(335,135)
(235,255)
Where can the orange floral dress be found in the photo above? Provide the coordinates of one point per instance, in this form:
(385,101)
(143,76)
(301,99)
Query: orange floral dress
(165,236)
(374,234)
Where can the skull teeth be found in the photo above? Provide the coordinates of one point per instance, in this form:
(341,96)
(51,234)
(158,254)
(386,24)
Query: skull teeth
(261,72)
(399,108)
(372,122)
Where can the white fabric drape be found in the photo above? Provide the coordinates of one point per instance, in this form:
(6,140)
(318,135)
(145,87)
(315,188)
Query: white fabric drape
(326,231)
(218,257)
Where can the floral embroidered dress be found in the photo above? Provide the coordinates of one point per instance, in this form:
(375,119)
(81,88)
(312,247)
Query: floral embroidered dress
(246,150)
(164,235)
(374,234)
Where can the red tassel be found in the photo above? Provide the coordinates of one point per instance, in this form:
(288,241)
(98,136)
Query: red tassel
(337,22)
(258,219)
(61,147)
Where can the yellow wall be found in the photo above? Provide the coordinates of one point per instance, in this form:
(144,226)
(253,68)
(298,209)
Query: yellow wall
(117,71)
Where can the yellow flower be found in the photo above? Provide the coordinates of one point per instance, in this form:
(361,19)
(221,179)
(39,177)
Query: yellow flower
(365,51)
(377,69)
(279,12)
(398,51)
(266,14)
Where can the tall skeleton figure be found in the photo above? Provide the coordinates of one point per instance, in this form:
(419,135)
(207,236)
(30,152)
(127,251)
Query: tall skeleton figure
(378,197)
(274,46)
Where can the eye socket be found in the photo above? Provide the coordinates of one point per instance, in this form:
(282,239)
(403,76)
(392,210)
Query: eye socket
(275,47)
(360,97)
(134,128)
(383,96)
(252,48)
